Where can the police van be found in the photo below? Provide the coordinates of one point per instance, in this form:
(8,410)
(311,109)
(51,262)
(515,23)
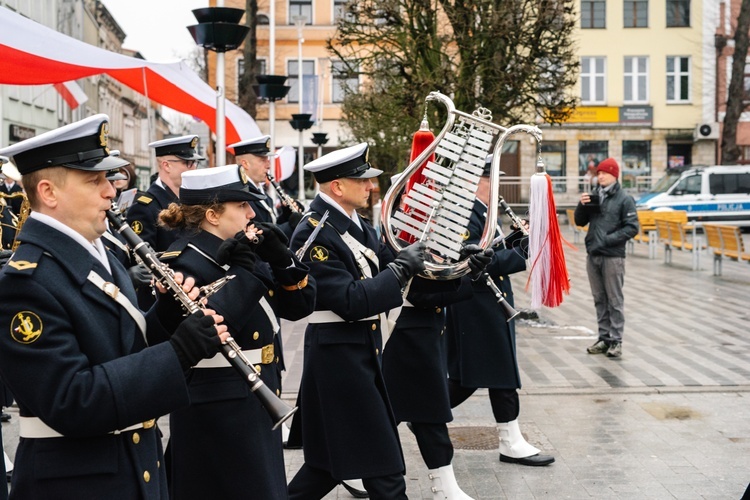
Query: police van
(717,193)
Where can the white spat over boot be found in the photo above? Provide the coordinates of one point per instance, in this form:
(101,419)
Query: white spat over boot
(515,449)
(444,485)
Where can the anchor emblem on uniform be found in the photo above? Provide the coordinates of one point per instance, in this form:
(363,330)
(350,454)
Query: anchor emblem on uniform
(26,327)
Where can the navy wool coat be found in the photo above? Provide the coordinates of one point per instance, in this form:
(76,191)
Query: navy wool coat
(481,344)
(225,434)
(76,359)
(348,428)
(414,361)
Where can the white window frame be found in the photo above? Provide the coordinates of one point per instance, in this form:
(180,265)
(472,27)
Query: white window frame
(309,21)
(292,96)
(635,76)
(676,74)
(593,76)
(336,81)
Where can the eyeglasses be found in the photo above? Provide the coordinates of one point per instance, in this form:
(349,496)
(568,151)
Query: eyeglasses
(189,163)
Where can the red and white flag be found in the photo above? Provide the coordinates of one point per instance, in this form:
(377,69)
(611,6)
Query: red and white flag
(284,165)
(72,93)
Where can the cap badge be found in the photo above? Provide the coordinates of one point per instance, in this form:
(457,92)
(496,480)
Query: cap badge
(194,142)
(243,175)
(104,135)
(268,144)
(319,254)
(26,327)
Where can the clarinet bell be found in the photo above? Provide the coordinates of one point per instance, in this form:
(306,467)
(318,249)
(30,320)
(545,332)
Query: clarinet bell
(508,311)
(276,408)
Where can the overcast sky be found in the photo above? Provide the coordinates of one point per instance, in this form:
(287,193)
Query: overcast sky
(156,28)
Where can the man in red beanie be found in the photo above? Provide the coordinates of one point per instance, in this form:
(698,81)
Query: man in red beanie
(612,219)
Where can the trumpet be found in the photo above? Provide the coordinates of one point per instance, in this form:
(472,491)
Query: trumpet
(286,200)
(276,408)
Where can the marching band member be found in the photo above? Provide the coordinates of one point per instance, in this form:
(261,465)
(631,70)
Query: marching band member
(237,450)
(254,156)
(173,157)
(75,352)
(348,428)
(482,345)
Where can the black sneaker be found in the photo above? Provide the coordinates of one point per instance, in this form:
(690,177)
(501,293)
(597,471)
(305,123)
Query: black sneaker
(615,350)
(599,348)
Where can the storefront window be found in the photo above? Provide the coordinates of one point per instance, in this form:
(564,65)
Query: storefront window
(553,154)
(590,153)
(636,161)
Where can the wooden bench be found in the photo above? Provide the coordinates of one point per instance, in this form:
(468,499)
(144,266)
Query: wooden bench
(672,229)
(646,232)
(577,230)
(725,241)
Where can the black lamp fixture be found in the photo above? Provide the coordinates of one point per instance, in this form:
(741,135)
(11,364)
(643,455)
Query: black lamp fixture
(320,138)
(271,87)
(301,121)
(219,29)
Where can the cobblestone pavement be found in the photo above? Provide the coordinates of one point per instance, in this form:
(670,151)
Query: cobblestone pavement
(668,420)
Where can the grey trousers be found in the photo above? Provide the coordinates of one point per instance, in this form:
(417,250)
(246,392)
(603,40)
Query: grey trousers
(606,277)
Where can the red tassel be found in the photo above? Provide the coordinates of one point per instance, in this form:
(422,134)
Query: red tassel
(420,141)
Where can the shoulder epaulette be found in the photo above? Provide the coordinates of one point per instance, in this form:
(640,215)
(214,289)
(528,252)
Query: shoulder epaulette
(313,219)
(24,260)
(144,199)
(171,255)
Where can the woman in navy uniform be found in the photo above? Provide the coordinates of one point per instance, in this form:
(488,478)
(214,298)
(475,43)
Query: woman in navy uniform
(348,428)
(75,352)
(482,345)
(222,446)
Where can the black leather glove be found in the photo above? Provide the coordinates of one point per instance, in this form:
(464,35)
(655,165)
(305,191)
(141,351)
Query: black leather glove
(274,248)
(294,219)
(195,339)
(479,259)
(139,275)
(169,311)
(237,251)
(408,262)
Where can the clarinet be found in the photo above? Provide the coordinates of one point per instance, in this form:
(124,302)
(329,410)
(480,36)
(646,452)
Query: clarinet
(286,200)
(276,408)
(513,217)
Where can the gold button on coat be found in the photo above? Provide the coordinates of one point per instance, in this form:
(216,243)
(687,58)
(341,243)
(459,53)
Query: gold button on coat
(438,310)
(146,476)
(136,438)
(257,368)
(374,326)
(377,351)
(256,336)
(270,293)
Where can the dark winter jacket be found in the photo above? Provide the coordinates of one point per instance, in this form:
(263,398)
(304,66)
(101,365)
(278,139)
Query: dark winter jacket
(611,226)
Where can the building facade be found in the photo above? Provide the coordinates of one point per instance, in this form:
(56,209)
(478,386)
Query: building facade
(648,87)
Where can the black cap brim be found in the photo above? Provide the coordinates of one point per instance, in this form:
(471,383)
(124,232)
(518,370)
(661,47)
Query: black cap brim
(105,164)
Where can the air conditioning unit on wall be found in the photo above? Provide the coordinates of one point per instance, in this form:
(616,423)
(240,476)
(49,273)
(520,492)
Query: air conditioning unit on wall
(706,131)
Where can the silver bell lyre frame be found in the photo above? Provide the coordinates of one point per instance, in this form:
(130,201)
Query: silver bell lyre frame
(439,214)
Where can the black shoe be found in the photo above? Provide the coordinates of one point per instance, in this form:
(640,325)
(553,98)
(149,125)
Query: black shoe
(534,460)
(4,417)
(356,493)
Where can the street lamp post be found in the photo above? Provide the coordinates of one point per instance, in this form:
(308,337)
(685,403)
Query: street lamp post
(218,29)
(300,22)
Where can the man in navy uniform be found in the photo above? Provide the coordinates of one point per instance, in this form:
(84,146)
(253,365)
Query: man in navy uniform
(348,428)
(254,156)
(482,344)
(173,157)
(74,352)
(9,186)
